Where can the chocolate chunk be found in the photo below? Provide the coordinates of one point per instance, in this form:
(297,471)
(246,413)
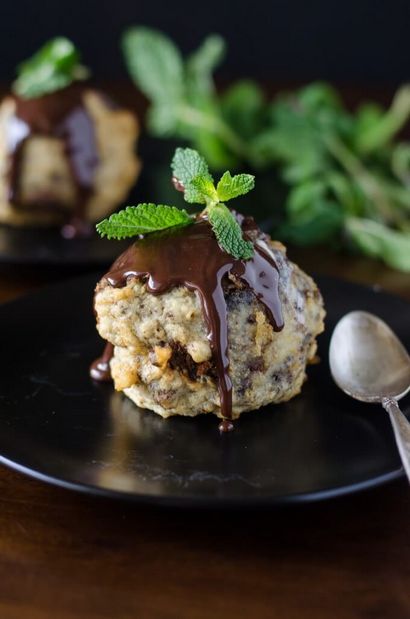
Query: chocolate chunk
(182,361)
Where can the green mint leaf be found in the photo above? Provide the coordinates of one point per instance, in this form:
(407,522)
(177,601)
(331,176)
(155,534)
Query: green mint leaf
(233,186)
(205,187)
(229,233)
(400,163)
(142,219)
(162,119)
(154,63)
(55,66)
(378,241)
(243,108)
(378,132)
(201,64)
(320,221)
(318,96)
(188,164)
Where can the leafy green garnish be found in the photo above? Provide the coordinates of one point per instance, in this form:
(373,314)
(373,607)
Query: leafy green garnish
(233,186)
(191,172)
(339,167)
(186,165)
(142,219)
(53,67)
(190,169)
(229,233)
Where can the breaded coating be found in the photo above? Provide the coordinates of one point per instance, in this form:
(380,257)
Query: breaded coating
(162,355)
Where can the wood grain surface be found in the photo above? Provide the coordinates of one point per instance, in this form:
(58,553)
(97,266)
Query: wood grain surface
(65,555)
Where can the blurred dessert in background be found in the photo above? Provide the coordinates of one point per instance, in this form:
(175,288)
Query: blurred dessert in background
(67,152)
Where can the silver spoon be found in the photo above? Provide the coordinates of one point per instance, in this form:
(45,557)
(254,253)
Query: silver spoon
(369,363)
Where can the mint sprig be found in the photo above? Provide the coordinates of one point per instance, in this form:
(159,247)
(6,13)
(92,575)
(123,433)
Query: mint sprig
(182,93)
(55,66)
(193,176)
(191,170)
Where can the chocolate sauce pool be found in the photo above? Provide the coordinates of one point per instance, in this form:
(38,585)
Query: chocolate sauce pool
(191,257)
(62,115)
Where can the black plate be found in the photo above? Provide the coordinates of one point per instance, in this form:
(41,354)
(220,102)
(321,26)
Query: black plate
(56,425)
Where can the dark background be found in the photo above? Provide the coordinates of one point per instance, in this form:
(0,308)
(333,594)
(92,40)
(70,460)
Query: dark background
(352,41)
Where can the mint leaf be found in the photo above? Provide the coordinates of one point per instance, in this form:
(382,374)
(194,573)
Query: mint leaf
(162,119)
(244,108)
(142,219)
(379,133)
(378,241)
(201,64)
(229,233)
(55,66)
(400,162)
(233,186)
(155,64)
(188,164)
(205,187)
(320,221)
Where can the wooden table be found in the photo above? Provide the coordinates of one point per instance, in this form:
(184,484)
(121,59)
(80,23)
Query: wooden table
(64,555)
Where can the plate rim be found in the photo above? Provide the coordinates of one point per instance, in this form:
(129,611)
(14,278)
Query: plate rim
(212,502)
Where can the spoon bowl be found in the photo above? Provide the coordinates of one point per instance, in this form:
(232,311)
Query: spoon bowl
(369,363)
(367,360)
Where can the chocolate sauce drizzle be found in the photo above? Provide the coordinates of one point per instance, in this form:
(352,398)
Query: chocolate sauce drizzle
(100,368)
(191,257)
(62,115)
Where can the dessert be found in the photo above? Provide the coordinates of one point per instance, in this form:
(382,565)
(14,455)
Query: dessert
(66,150)
(206,314)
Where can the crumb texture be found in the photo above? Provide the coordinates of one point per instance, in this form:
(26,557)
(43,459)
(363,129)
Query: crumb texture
(162,356)
(45,170)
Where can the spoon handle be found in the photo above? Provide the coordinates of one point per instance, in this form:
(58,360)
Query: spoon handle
(401,428)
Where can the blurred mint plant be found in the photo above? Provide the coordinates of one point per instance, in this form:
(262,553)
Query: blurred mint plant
(348,175)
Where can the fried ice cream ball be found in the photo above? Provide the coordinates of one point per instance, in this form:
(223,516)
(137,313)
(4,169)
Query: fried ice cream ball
(162,356)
